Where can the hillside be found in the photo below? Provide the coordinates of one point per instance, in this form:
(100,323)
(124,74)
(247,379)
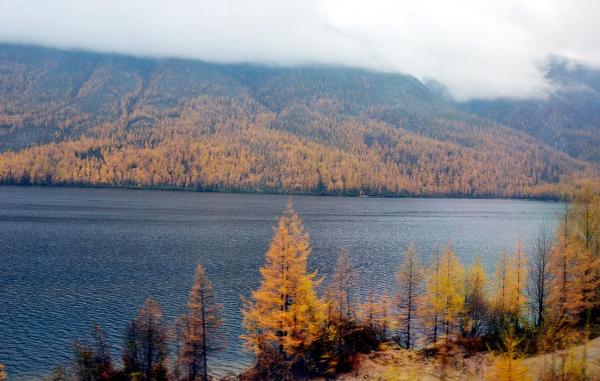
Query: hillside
(401,364)
(568,119)
(78,118)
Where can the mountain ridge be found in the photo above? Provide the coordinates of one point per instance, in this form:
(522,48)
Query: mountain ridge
(73,117)
(567,119)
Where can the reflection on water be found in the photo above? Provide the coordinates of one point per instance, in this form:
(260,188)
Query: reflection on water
(71,257)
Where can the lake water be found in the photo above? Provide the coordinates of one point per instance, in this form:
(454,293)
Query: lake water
(70,257)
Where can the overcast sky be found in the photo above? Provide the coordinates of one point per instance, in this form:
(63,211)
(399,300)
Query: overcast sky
(477,48)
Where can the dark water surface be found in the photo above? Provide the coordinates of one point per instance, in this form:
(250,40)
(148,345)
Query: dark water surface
(71,257)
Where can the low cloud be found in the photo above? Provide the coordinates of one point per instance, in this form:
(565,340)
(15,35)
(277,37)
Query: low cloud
(476,48)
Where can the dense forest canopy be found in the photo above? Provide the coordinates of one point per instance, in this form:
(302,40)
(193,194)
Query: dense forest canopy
(78,118)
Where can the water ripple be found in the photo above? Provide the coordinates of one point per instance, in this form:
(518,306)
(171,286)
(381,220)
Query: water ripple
(73,257)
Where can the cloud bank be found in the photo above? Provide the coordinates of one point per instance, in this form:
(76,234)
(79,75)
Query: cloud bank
(477,48)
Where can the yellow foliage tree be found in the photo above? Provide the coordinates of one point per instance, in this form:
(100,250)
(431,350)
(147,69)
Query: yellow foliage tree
(430,304)
(452,290)
(341,308)
(509,299)
(585,241)
(339,292)
(509,365)
(200,328)
(476,304)
(573,269)
(285,314)
(443,304)
(519,267)
(409,279)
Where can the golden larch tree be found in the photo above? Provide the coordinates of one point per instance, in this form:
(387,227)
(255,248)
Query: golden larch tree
(200,329)
(585,240)
(339,292)
(476,303)
(510,284)
(145,351)
(518,299)
(567,298)
(508,365)
(430,303)
(409,288)
(284,314)
(444,298)
(499,298)
(452,290)
(341,306)
(575,265)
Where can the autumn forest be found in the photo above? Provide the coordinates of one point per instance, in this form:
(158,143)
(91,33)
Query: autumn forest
(77,118)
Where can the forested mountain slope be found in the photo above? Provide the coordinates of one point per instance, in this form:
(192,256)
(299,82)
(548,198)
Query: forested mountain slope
(70,117)
(568,119)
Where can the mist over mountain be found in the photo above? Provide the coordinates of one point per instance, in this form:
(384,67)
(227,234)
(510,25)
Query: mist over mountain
(568,119)
(74,117)
(476,48)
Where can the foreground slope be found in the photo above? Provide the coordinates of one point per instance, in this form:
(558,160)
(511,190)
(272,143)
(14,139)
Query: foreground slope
(401,364)
(69,117)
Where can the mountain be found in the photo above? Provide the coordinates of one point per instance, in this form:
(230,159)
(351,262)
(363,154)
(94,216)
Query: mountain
(80,118)
(568,119)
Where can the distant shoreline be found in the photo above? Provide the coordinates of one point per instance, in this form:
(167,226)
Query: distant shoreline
(281,193)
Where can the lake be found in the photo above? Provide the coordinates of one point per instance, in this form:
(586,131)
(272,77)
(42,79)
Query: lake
(70,257)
